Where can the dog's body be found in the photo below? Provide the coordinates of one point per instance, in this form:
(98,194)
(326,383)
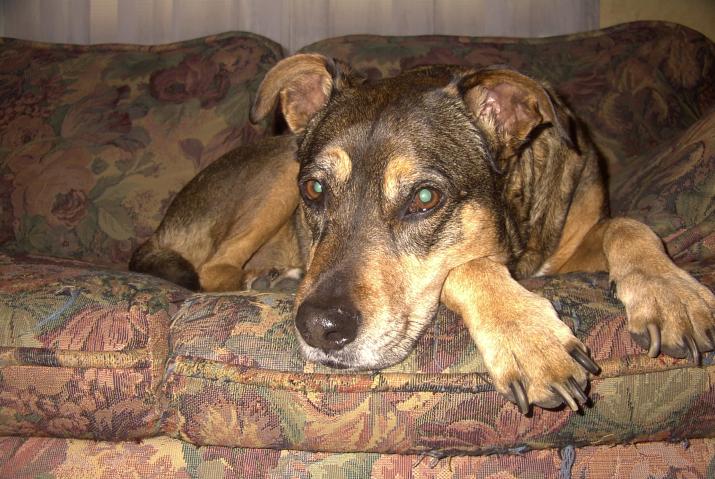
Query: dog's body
(441,183)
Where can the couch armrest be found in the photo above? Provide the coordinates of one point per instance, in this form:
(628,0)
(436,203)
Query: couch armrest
(671,188)
(82,349)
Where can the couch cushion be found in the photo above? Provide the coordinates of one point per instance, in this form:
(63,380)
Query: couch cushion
(161,457)
(236,379)
(82,349)
(96,140)
(635,85)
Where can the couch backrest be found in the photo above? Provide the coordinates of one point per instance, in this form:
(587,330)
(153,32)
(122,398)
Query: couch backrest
(635,85)
(96,140)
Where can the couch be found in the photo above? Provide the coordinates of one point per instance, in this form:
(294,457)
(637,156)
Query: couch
(107,373)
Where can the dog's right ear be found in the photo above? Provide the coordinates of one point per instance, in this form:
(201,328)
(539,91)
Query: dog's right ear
(303,82)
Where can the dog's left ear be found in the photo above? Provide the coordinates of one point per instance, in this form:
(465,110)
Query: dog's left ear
(510,106)
(303,83)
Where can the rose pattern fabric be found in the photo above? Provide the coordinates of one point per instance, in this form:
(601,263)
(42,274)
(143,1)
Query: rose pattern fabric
(192,78)
(82,350)
(99,340)
(96,140)
(235,357)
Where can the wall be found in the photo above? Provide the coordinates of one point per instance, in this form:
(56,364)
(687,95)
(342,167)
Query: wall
(293,23)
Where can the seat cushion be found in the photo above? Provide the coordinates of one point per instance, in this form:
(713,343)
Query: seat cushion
(82,349)
(236,379)
(96,140)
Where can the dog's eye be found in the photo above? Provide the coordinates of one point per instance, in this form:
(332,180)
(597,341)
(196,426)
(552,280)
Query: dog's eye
(424,200)
(313,190)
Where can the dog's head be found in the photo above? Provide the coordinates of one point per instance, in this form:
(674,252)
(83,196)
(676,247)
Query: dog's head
(400,184)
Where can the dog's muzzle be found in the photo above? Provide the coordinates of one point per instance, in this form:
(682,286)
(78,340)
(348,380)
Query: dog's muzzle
(327,325)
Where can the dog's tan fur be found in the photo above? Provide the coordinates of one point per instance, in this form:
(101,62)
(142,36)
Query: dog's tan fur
(518,332)
(579,249)
(518,192)
(399,169)
(338,161)
(221,240)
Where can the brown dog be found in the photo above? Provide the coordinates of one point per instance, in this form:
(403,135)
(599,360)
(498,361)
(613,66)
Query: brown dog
(442,183)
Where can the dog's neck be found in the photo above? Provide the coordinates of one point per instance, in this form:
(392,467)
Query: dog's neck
(535,185)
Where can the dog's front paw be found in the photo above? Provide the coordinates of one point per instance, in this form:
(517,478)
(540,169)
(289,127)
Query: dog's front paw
(669,312)
(533,357)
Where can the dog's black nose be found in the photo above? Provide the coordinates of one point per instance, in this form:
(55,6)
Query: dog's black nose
(327,326)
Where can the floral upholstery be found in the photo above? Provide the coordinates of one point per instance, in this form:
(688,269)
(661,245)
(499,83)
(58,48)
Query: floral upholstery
(82,349)
(670,188)
(95,141)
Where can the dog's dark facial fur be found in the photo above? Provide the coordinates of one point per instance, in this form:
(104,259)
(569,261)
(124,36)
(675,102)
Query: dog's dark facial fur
(376,264)
(373,264)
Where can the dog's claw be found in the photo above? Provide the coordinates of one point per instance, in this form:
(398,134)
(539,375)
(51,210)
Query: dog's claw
(654,340)
(261,284)
(577,392)
(585,360)
(517,390)
(565,395)
(692,349)
(287,284)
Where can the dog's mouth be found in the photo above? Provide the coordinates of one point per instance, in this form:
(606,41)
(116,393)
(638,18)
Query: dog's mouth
(374,348)
(335,364)
(351,360)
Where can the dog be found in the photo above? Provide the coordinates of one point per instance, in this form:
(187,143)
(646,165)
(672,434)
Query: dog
(442,184)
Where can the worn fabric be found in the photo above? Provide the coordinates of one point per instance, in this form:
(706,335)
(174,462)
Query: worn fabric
(96,140)
(82,349)
(29,458)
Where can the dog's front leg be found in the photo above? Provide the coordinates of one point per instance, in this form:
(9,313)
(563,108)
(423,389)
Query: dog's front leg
(668,310)
(531,355)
